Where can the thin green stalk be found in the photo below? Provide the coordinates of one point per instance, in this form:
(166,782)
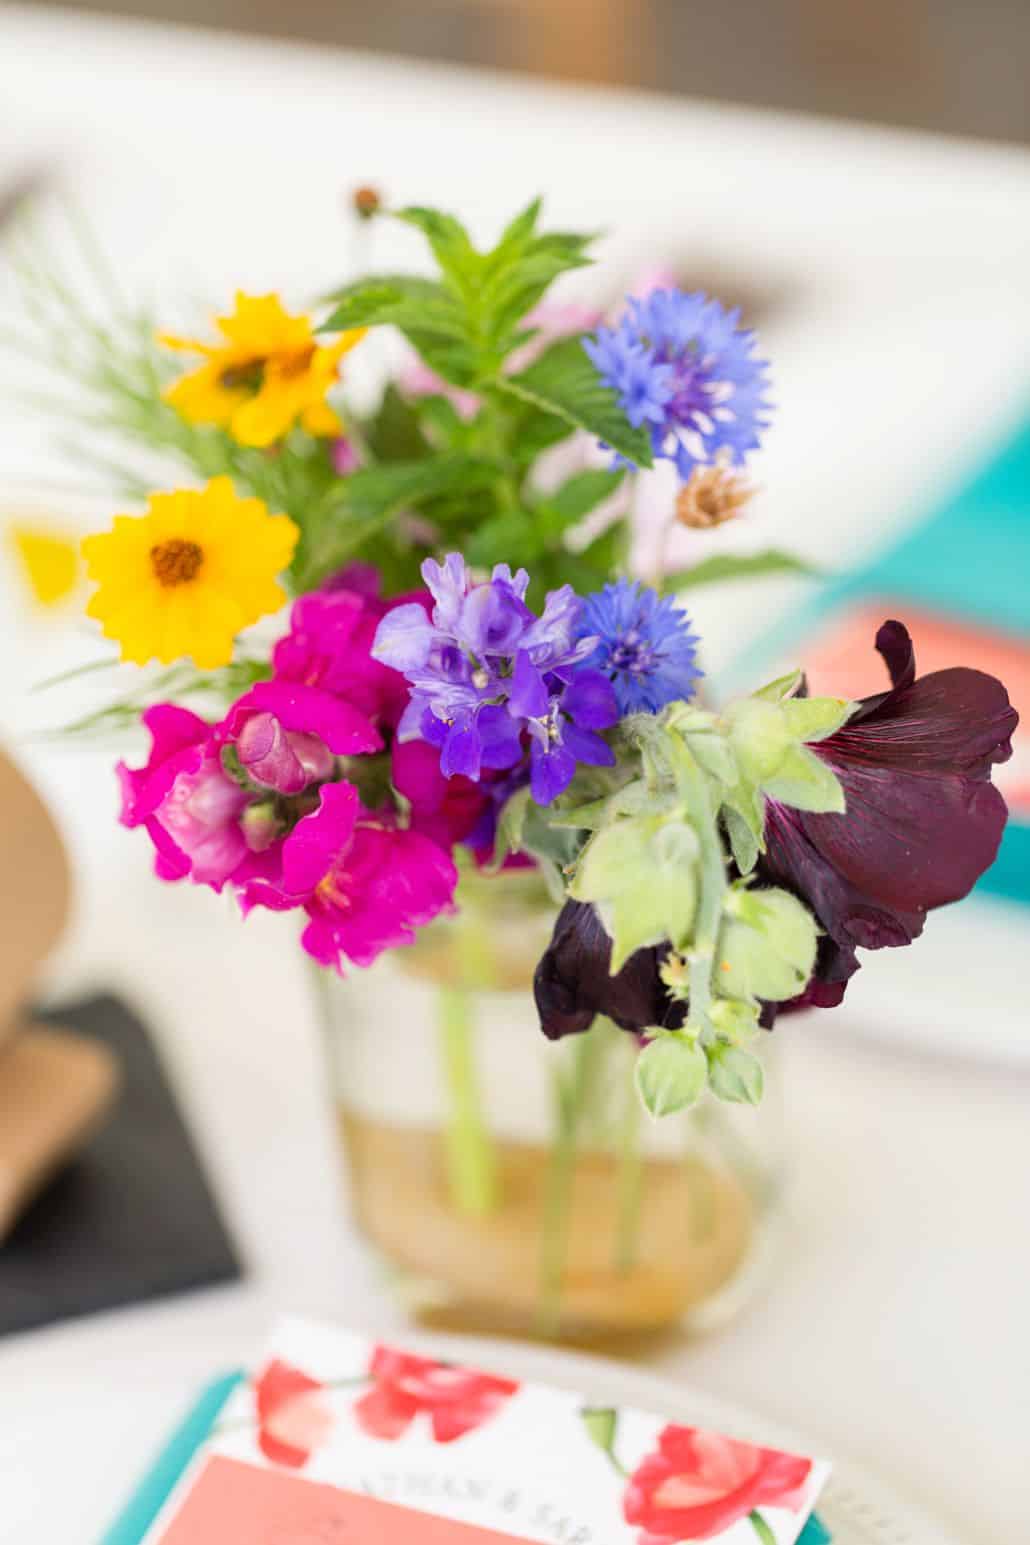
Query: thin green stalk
(471,1162)
(571,1094)
(761,1528)
(630,1184)
(712,889)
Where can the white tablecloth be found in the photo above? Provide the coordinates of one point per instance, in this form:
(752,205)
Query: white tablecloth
(895,1327)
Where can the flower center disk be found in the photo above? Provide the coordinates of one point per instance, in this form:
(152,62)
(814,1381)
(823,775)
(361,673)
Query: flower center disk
(176,562)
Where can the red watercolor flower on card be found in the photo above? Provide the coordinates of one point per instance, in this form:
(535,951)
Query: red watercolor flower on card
(456,1400)
(294,1416)
(697,1484)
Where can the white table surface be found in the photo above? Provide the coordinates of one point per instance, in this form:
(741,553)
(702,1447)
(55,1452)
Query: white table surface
(895,1328)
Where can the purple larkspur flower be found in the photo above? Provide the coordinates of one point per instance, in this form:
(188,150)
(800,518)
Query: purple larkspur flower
(645,646)
(487,676)
(683,369)
(923,819)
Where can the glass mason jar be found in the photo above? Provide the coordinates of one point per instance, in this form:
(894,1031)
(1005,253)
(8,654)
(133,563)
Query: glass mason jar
(517,1187)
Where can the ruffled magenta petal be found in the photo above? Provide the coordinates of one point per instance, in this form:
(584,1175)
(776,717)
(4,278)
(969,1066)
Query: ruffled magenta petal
(319,840)
(173,729)
(309,710)
(388,884)
(444,809)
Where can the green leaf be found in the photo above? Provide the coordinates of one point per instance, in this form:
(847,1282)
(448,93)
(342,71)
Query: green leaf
(370,498)
(670,1073)
(601,1425)
(743,842)
(451,244)
(399,301)
(497,538)
(564,382)
(583,492)
(510,825)
(813,718)
(760,737)
(804,781)
(783,687)
(394,433)
(726,566)
(714,754)
(767,950)
(642,872)
(434,321)
(517,286)
(519,230)
(533,432)
(632,799)
(734,1074)
(736,1019)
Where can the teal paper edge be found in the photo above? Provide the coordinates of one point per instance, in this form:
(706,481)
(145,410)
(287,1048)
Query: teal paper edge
(968,558)
(164,1474)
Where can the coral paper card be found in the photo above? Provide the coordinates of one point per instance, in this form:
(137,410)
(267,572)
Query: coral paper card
(230,1500)
(334,1440)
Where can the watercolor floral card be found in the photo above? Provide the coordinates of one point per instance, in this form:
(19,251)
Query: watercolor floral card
(335,1440)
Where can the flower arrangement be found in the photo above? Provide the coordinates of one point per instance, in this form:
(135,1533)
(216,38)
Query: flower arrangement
(471,678)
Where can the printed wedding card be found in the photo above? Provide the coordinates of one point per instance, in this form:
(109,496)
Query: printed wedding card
(338,1441)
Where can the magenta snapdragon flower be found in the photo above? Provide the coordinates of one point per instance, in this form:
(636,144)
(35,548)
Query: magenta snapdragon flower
(365,886)
(449,810)
(266,801)
(191,810)
(329,647)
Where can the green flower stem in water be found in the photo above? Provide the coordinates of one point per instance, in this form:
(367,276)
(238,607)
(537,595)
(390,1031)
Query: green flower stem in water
(471,1162)
(571,1096)
(630,1184)
(762,1529)
(694,787)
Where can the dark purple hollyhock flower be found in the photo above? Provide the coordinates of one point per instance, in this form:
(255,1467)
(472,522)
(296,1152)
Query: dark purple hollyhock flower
(572,984)
(923,820)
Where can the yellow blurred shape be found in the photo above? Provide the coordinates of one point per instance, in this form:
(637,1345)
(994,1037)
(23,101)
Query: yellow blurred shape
(49,561)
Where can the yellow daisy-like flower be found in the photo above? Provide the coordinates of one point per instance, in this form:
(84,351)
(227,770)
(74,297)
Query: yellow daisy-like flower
(184,578)
(266,374)
(49,561)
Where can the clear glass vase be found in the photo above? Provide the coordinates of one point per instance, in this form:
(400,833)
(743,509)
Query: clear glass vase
(516,1187)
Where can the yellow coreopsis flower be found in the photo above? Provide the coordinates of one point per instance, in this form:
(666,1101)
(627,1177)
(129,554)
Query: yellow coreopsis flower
(49,561)
(184,578)
(267,373)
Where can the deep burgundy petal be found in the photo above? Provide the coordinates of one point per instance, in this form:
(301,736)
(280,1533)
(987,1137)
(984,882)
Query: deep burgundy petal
(923,821)
(572,984)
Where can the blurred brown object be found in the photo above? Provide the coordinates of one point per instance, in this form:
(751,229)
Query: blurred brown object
(602,41)
(54,1086)
(711,497)
(35,889)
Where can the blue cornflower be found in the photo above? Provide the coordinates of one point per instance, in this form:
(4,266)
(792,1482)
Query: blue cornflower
(494,686)
(683,368)
(645,647)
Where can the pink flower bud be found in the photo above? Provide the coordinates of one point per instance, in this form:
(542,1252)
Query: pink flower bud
(284,760)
